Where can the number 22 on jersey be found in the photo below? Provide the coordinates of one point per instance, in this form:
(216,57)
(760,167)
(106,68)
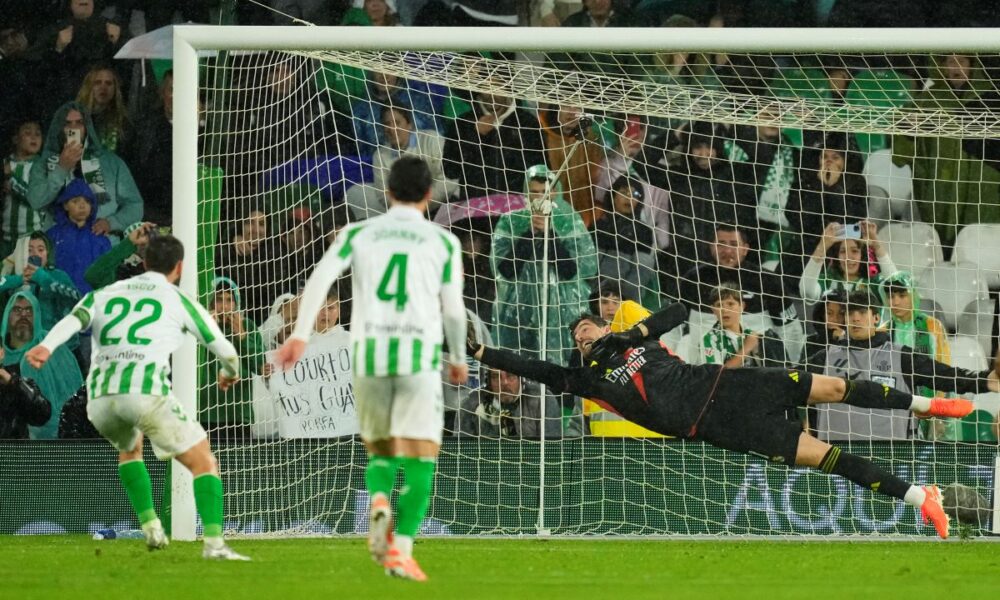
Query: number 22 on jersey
(120,308)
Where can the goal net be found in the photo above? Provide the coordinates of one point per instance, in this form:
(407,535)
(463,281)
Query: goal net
(765,191)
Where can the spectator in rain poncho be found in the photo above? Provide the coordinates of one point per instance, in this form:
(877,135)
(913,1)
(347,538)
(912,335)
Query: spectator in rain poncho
(517,259)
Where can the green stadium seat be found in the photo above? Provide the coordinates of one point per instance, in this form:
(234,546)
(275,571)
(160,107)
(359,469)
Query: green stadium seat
(806,84)
(978,427)
(878,89)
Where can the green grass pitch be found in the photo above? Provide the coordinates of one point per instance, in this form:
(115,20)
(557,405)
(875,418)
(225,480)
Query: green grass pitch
(77,567)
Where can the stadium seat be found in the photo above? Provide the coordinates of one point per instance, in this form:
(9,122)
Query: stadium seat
(877,89)
(807,84)
(977,322)
(954,288)
(980,244)
(912,246)
(966,353)
(890,189)
(989,402)
(978,427)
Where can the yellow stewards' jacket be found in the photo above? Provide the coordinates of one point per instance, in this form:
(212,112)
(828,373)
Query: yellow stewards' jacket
(604,423)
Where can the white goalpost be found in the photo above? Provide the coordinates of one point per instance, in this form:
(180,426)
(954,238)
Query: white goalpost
(591,483)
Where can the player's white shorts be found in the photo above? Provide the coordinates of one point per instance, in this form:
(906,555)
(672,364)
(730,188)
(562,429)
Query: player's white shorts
(408,406)
(168,426)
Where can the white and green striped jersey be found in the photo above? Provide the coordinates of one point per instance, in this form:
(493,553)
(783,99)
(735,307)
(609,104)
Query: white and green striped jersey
(407,286)
(136,325)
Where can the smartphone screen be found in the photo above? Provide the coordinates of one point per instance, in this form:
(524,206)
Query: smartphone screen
(852,232)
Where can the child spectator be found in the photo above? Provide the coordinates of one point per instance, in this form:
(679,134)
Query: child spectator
(18,217)
(909,325)
(606,299)
(231,412)
(73,239)
(729,343)
(829,322)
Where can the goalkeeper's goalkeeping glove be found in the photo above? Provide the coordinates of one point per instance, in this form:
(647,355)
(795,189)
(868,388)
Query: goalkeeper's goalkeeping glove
(616,343)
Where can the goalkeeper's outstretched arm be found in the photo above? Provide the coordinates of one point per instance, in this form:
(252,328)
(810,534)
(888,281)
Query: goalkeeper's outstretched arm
(662,321)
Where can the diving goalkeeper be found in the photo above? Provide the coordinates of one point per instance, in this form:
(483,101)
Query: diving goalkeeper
(634,375)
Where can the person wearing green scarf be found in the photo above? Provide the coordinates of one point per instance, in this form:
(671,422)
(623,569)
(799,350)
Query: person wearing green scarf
(230,412)
(910,326)
(516,260)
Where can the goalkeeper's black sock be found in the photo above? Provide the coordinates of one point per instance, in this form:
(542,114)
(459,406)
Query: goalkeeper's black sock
(862,472)
(868,394)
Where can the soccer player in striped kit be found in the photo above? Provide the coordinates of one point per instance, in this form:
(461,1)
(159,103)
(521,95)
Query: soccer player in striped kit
(407,282)
(137,324)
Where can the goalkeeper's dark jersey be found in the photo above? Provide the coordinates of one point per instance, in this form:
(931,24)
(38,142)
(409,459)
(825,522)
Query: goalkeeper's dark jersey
(649,385)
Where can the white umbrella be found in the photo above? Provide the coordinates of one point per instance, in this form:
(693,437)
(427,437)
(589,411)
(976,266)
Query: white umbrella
(158,43)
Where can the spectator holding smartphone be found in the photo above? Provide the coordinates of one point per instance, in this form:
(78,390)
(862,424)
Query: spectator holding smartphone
(73,150)
(52,287)
(843,260)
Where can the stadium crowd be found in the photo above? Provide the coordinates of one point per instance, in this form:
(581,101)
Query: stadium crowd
(779,241)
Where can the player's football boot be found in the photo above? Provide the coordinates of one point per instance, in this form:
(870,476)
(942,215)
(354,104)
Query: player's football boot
(222,552)
(932,510)
(156,538)
(379,528)
(955,408)
(403,567)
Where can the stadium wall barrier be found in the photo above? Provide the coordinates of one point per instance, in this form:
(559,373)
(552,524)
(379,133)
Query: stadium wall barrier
(624,486)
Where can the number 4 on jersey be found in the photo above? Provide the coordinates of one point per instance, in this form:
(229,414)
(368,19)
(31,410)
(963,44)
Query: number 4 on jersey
(395,275)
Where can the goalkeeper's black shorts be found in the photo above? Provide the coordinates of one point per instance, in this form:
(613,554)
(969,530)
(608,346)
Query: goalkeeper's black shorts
(755,410)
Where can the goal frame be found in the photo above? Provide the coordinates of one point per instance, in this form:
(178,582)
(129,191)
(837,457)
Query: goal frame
(189,39)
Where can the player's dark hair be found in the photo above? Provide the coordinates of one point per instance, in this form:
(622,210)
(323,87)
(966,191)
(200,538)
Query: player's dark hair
(862,300)
(725,291)
(334,292)
(163,253)
(409,179)
(595,319)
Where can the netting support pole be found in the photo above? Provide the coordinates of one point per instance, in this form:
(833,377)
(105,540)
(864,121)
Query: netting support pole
(185,210)
(543,337)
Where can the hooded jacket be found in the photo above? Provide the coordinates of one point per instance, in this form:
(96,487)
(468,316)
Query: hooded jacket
(58,380)
(76,248)
(925,334)
(52,287)
(516,261)
(236,404)
(118,198)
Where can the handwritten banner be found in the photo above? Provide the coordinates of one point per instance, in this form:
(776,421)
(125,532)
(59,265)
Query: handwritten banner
(315,398)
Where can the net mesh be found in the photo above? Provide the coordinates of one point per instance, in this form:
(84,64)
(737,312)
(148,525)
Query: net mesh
(791,179)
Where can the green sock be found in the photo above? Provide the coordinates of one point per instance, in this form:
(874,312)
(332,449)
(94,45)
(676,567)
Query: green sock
(380,474)
(208,499)
(418,482)
(135,479)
